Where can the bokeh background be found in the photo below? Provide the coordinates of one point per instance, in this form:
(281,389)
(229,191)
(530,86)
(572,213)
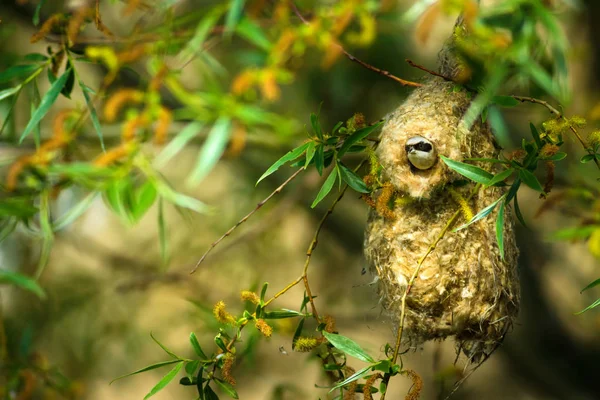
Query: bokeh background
(107,290)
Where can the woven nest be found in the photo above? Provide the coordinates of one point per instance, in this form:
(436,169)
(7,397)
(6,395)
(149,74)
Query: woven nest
(464,288)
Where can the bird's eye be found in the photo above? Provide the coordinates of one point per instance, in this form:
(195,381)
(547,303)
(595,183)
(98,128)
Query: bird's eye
(420,152)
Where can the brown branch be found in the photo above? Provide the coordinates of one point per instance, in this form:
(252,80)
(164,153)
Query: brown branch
(246,217)
(352,58)
(429,71)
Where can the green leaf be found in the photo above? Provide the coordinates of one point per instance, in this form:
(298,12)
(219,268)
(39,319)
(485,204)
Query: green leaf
(593,305)
(253,33)
(169,352)
(236,8)
(591,285)
(178,143)
(500,229)
(298,332)
(542,78)
(194,45)
(36,14)
(536,136)
(357,137)
(575,233)
(263,291)
(212,150)
(348,346)
(501,176)
(289,156)
(310,153)
(22,281)
(35,57)
(148,368)
(165,380)
(209,394)
(587,158)
(470,171)
(481,214)
(325,189)
(490,160)
(144,198)
(353,180)
(9,92)
(518,212)
(556,157)
(354,377)
(17,207)
(68,87)
(505,101)
(530,180)
(196,346)
(227,388)
(484,114)
(18,72)
(320,159)
(93,114)
(281,314)
(191,367)
(314,122)
(47,101)
(46,229)
(74,212)
(181,200)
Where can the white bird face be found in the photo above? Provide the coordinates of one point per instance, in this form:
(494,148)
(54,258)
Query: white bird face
(420,152)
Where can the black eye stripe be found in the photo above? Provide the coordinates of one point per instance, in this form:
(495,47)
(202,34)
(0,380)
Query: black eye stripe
(421,146)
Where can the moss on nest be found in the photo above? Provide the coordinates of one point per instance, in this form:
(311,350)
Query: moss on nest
(464,288)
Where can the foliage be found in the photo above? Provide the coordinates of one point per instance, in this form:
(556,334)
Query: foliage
(500,44)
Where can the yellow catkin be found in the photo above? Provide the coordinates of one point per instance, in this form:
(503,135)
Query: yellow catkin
(549,184)
(238,141)
(594,138)
(243,81)
(221,314)
(250,296)
(98,21)
(269,88)
(129,129)
(368,385)
(463,203)
(415,391)
(46,27)
(548,150)
(58,126)
(383,200)
(118,100)
(113,155)
(133,54)
(227,367)
(305,344)
(76,22)
(161,130)
(14,171)
(329,324)
(264,328)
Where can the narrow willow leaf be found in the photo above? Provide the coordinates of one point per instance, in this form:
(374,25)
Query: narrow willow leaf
(469,171)
(212,150)
(17,207)
(587,158)
(325,189)
(196,346)
(281,314)
(298,332)
(18,72)
(314,122)
(46,230)
(9,92)
(75,212)
(501,177)
(22,281)
(35,102)
(47,101)
(490,160)
(162,346)
(575,233)
(210,394)
(93,114)
(536,135)
(500,229)
(68,87)
(178,143)
(227,388)
(320,159)
(289,156)
(182,200)
(348,346)
(236,8)
(148,368)
(593,305)
(481,214)
(253,33)
(145,196)
(8,227)
(310,153)
(165,380)
(354,377)
(556,157)
(357,137)
(36,14)
(353,180)
(194,45)
(591,285)
(191,367)
(530,180)
(263,291)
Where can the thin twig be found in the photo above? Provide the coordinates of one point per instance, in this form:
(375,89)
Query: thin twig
(429,71)
(383,72)
(559,115)
(246,217)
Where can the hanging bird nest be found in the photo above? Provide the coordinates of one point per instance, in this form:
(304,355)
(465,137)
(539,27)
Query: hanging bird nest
(464,288)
